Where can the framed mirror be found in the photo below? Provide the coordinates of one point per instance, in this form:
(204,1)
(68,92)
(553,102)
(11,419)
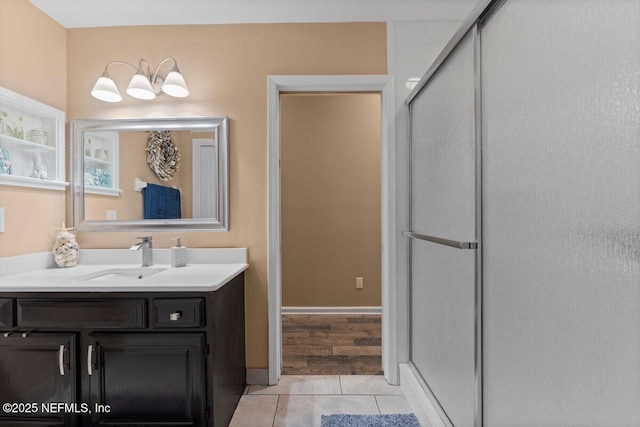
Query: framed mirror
(157,174)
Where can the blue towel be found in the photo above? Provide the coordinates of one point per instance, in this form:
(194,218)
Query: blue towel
(161,202)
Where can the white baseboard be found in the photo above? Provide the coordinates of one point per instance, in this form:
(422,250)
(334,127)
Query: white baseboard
(419,399)
(258,376)
(331,310)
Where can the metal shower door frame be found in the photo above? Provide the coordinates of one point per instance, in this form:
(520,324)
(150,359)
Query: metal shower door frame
(481,13)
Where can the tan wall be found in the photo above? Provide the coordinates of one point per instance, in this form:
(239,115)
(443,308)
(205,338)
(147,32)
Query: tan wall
(330,199)
(33,63)
(226,68)
(133,163)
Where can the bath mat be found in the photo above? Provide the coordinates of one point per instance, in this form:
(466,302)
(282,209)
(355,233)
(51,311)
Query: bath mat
(387,420)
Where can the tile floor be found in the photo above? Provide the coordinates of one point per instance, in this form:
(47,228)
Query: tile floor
(301,400)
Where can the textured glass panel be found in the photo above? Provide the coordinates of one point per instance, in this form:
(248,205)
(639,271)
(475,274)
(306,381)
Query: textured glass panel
(443,205)
(561,213)
(442,334)
(442,151)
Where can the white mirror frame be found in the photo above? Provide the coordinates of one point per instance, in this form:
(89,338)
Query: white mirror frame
(199,124)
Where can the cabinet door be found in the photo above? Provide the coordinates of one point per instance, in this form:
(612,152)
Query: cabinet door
(37,374)
(147,379)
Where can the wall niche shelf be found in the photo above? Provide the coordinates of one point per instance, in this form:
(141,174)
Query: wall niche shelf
(102,163)
(32,141)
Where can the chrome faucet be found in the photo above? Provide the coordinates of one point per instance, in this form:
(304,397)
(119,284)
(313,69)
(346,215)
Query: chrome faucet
(146,244)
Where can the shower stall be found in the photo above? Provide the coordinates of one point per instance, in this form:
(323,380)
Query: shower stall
(525,217)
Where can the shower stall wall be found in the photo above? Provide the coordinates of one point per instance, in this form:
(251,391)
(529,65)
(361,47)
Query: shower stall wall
(525,217)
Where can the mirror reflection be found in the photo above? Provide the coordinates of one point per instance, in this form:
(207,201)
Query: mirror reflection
(120,182)
(151,173)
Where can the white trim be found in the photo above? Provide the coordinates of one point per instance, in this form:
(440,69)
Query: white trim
(94,189)
(339,83)
(391,47)
(331,310)
(275,265)
(25,181)
(418,399)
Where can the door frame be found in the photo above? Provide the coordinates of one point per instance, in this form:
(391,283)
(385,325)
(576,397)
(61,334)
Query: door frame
(383,84)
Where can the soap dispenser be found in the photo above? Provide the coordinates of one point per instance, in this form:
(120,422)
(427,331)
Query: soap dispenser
(178,254)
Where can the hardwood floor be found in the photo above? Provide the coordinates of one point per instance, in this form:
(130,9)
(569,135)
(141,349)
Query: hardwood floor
(331,344)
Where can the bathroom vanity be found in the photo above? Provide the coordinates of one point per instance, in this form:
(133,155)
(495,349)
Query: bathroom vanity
(122,345)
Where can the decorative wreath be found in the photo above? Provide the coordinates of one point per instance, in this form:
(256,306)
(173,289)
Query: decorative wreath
(163,156)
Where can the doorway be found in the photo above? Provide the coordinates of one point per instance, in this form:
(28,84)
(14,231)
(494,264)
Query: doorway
(384,86)
(330,233)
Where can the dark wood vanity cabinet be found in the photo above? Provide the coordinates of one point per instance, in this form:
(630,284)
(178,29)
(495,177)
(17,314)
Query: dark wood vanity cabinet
(36,369)
(123,359)
(158,378)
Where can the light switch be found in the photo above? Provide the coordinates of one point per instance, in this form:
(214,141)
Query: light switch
(359,282)
(112,215)
(1,220)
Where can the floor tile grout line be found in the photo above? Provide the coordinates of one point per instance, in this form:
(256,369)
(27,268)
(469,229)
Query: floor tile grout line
(377,404)
(273,423)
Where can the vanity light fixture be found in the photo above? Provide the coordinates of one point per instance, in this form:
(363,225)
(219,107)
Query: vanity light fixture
(143,84)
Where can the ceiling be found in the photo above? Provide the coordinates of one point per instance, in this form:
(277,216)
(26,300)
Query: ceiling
(106,13)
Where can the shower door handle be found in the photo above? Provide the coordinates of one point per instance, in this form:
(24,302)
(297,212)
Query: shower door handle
(440,241)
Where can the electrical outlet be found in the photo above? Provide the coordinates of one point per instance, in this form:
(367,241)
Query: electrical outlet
(359,282)
(1,220)
(112,215)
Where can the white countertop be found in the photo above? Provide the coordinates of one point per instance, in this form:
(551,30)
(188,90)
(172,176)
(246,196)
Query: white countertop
(200,277)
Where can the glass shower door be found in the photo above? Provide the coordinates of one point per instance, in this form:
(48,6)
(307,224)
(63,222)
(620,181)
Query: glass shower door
(561,213)
(443,236)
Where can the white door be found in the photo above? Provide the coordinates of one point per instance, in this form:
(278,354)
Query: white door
(205,191)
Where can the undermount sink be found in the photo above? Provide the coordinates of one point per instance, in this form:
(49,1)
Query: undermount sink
(115,274)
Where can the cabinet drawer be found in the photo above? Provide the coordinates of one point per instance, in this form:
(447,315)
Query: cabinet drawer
(178,313)
(6,313)
(103,314)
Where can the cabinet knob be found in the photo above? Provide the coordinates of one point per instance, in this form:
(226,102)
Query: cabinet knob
(175,316)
